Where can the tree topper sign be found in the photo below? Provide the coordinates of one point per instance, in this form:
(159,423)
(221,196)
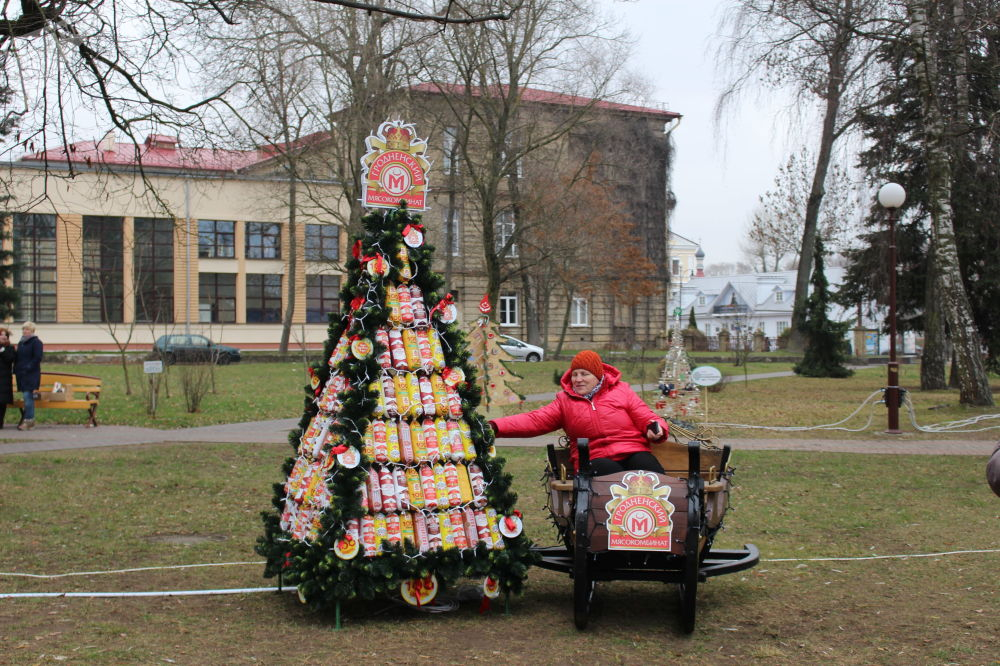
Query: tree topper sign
(394,169)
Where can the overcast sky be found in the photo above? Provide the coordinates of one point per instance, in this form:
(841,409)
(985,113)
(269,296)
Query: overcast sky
(718,173)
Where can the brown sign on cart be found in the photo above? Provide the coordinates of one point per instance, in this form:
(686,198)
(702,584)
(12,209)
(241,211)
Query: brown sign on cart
(630,510)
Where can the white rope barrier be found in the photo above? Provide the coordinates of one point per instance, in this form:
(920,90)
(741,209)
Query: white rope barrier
(120,571)
(877,557)
(828,426)
(252,590)
(164,593)
(948,426)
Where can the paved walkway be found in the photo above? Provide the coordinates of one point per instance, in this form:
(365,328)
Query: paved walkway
(60,437)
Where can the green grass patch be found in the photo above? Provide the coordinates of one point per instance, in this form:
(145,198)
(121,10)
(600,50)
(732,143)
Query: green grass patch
(104,509)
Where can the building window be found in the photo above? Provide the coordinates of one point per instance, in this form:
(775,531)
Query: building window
(154,269)
(451,159)
(511,158)
(217,298)
(263,240)
(504,231)
(675,266)
(35,252)
(623,314)
(779,297)
(452,225)
(508,309)
(701,299)
(322,297)
(580,313)
(780,326)
(322,242)
(103,272)
(263,298)
(216,239)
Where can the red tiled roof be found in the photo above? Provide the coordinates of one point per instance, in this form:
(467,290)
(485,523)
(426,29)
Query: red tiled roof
(158,151)
(161,151)
(547,97)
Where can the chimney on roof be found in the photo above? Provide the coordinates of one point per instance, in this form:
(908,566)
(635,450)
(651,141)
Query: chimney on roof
(162,141)
(107,142)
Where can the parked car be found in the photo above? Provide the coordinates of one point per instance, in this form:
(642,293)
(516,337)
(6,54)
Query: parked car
(194,348)
(521,350)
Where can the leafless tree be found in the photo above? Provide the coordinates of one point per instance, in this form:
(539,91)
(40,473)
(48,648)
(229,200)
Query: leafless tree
(481,72)
(272,74)
(71,66)
(820,50)
(775,229)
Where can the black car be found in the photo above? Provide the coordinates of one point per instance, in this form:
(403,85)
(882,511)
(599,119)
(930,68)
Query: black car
(194,348)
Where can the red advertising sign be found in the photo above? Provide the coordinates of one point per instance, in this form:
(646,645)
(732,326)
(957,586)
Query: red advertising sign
(639,514)
(394,169)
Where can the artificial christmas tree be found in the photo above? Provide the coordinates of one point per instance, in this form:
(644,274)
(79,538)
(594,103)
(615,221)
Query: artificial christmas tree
(490,360)
(681,397)
(393,488)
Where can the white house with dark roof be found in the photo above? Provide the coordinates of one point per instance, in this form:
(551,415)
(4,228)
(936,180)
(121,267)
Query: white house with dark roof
(759,301)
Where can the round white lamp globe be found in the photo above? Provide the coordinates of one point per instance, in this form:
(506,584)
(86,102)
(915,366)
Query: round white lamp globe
(891,195)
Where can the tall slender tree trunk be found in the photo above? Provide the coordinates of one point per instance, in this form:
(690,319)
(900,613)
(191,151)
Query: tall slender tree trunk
(293,261)
(974,387)
(837,65)
(934,358)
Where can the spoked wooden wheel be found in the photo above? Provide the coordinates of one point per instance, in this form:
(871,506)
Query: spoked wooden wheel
(583,583)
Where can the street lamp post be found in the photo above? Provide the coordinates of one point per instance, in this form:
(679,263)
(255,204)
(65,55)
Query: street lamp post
(891,196)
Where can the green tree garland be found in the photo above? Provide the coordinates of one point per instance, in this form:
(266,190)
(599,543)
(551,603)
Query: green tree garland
(310,563)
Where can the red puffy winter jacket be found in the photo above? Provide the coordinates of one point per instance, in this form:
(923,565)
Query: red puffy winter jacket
(614,419)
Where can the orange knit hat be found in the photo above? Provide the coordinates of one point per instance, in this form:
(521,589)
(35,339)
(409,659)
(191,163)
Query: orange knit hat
(589,361)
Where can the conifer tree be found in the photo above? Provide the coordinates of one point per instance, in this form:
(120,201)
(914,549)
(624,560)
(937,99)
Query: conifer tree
(826,346)
(394,487)
(692,322)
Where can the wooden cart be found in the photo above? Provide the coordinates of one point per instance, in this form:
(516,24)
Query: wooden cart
(596,548)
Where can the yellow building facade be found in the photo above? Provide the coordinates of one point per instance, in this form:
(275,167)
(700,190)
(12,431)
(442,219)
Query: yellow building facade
(198,241)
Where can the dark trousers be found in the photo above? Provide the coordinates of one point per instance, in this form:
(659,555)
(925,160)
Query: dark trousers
(643,460)
(3,414)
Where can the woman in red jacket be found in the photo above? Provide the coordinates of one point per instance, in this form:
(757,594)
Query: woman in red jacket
(597,405)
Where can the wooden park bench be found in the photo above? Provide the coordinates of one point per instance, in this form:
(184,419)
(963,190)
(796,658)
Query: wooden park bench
(64,390)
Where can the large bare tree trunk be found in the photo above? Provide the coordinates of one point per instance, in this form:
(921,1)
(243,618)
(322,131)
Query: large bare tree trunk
(837,63)
(974,387)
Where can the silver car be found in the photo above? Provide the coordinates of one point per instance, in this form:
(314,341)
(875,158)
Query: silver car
(521,350)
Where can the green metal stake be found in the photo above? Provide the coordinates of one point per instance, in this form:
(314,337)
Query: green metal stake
(506,604)
(336,625)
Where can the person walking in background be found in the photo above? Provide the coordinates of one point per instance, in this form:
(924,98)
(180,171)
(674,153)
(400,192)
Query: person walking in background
(28,369)
(7,354)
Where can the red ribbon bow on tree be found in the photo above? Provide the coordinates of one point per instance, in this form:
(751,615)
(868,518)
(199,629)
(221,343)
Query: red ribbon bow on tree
(415,226)
(378,259)
(442,304)
(356,249)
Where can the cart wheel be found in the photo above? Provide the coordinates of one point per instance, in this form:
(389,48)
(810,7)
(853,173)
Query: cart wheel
(688,591)
(688,588)
(583,584)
